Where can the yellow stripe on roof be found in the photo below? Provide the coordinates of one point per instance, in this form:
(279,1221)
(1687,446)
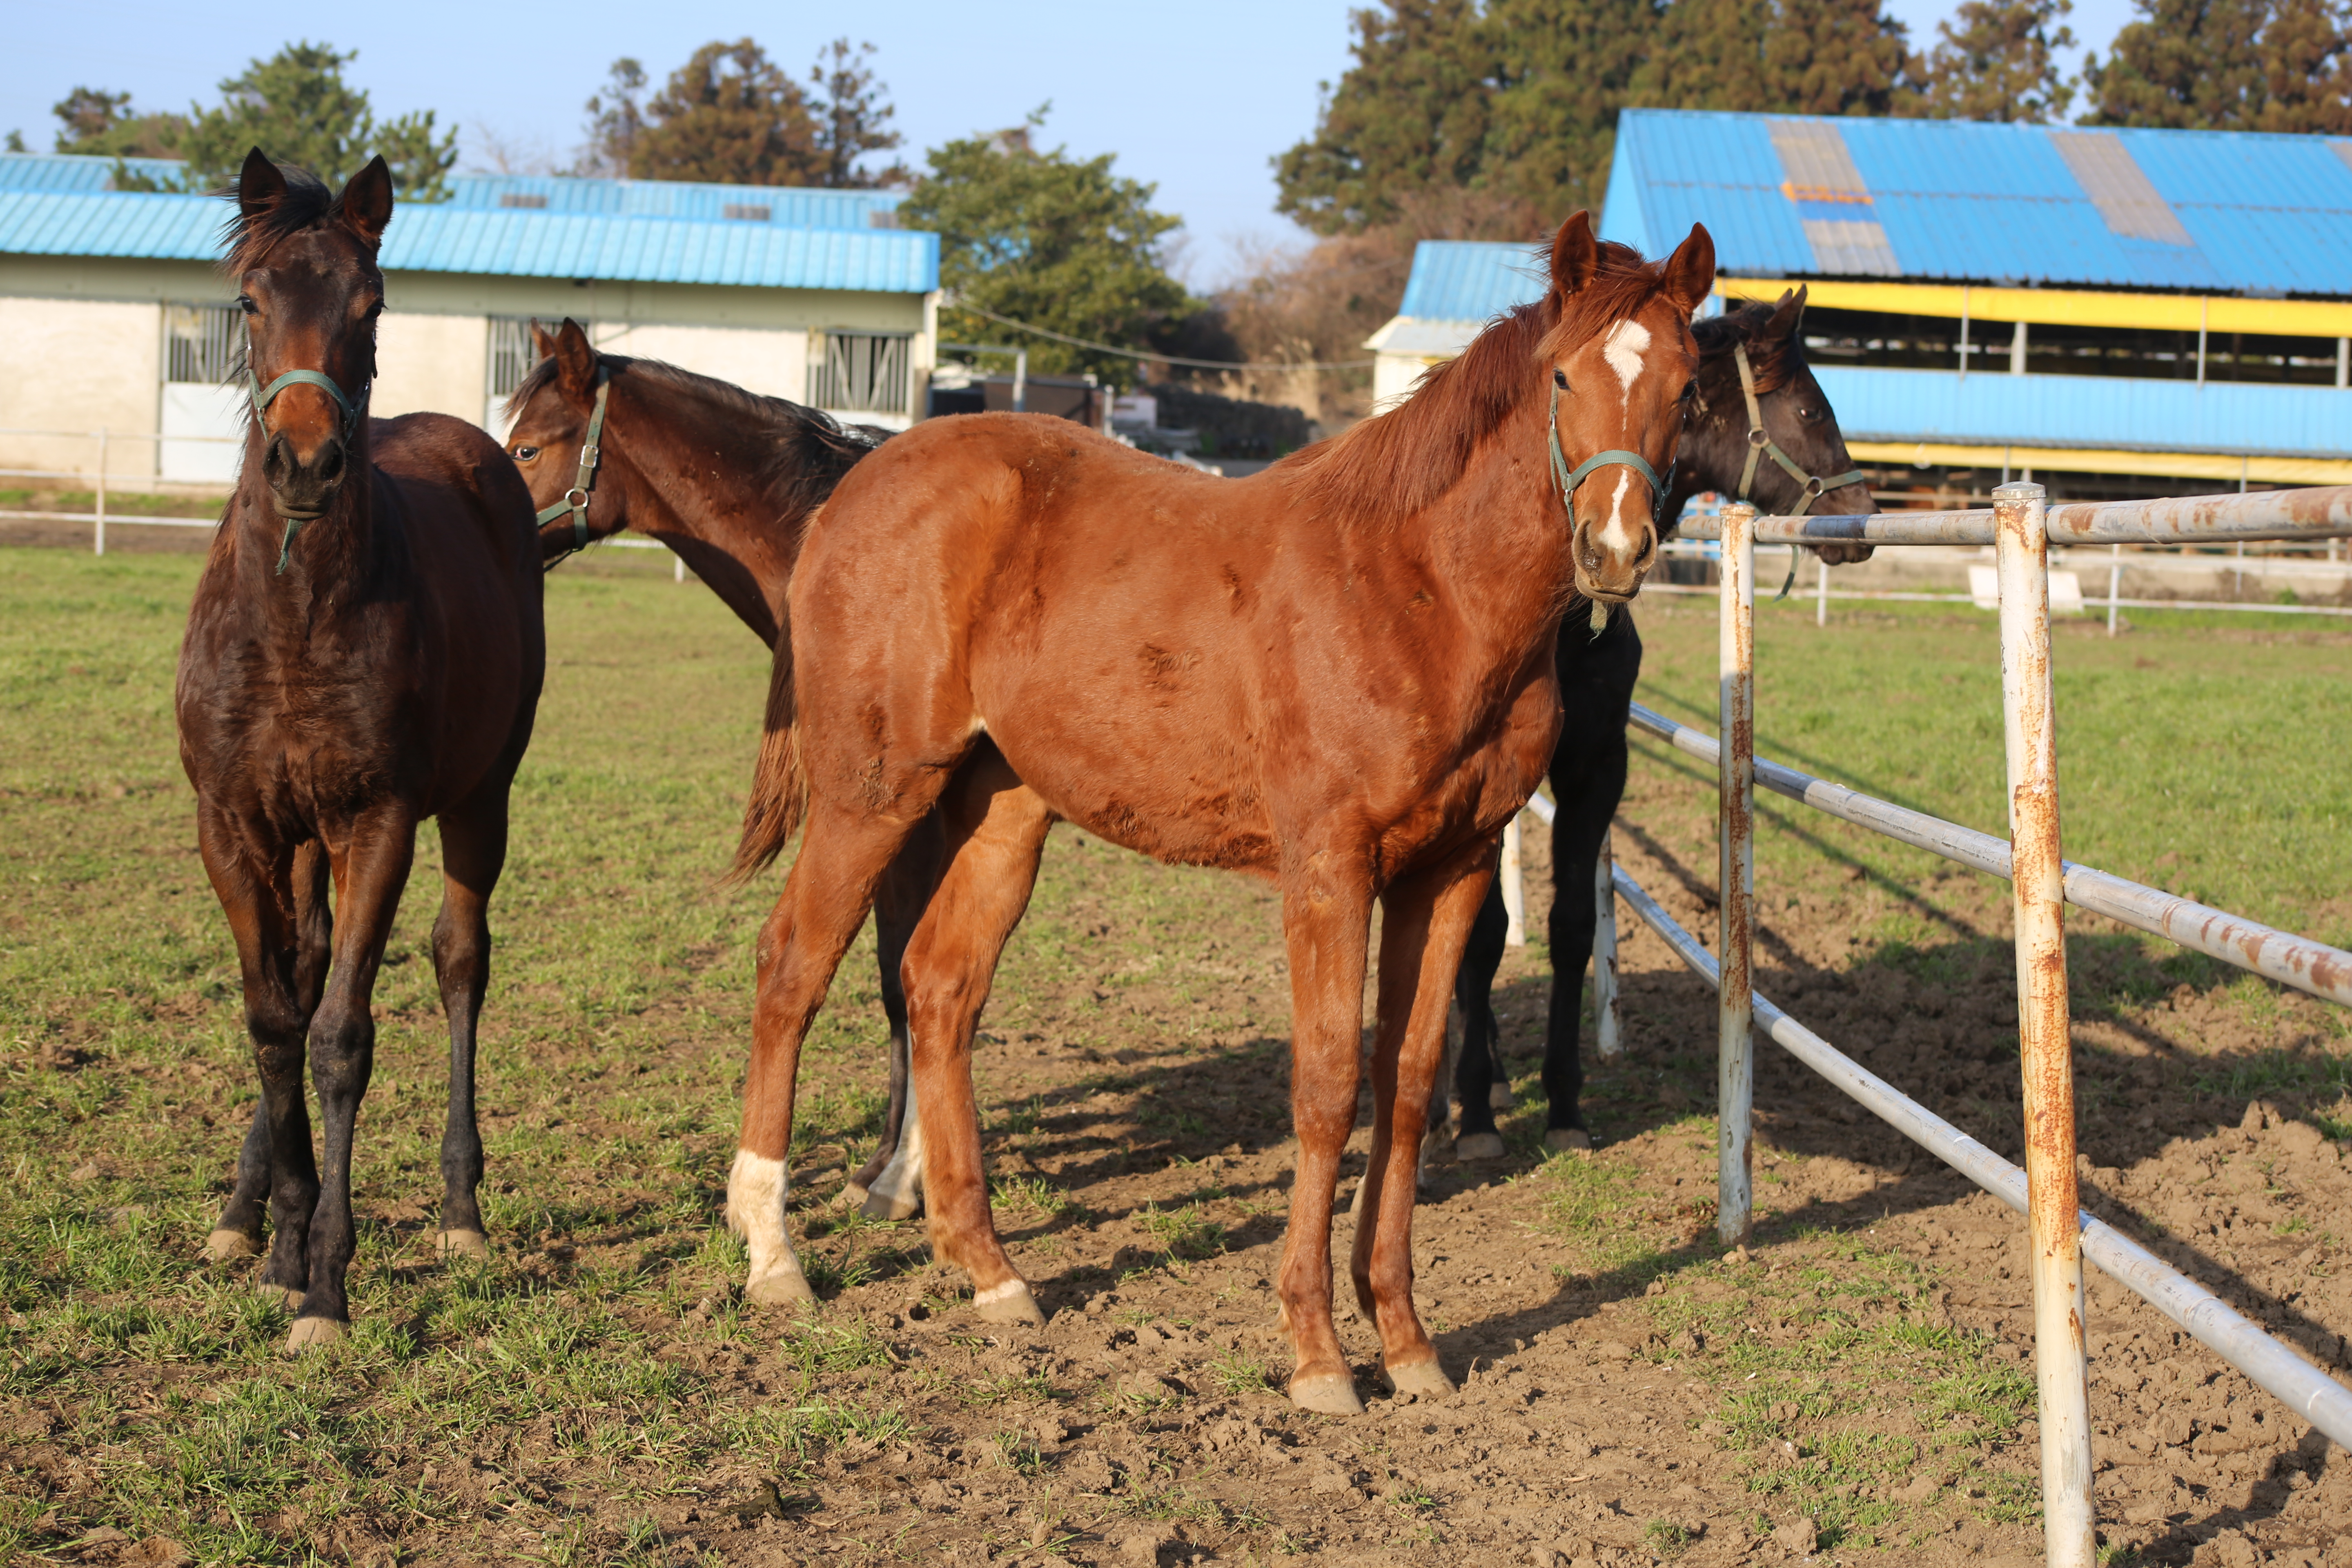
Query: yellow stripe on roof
(2064,307)
(2081,460)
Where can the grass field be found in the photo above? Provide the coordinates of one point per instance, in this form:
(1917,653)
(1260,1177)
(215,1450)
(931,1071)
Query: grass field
(2209,761)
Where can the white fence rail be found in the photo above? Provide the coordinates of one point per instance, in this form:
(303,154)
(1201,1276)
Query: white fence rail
(2021,530)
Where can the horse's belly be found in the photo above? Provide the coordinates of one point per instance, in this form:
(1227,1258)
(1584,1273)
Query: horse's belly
(1163,803)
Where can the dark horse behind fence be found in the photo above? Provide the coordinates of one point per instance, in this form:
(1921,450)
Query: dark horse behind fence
(1759,414)
(1338,674)
(366,651)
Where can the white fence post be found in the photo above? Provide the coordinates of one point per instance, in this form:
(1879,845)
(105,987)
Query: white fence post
(1735,1015)
(1607,1039)
(2054,1206)
(98,537)
(1821,603)
(1515,895)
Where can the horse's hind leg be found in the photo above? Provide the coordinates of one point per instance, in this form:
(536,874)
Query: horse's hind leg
(239,1233)
(370,875)
(996,828)
(473,851)
(1426,920)
(843,852)
(889,1186)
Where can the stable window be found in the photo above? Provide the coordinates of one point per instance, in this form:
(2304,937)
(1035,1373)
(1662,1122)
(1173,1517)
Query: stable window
(512,355)
(859,373)
(202,413)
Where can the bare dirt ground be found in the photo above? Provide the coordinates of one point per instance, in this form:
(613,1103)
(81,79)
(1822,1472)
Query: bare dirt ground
(1851,1388)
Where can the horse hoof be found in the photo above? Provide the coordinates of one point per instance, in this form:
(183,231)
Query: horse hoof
(1567,1141)
(1424,1379)
(1010,1302)
(856,1195)
(1332,1393)
(887,1206)
(228,1245)
(1499,1097)
(1478,1146)
(285,1296)
(784,1288)
(470,1243)
(311,1334)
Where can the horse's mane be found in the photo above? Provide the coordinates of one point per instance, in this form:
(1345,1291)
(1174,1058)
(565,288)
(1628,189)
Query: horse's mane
(1774,360)
(808,450)
(1406,458)
(249,237)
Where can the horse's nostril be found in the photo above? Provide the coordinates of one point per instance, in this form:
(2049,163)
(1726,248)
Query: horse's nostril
(1593,559)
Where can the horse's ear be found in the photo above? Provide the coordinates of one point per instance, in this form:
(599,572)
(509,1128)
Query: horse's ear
(259,186)
(1575,256)
(1787,315)
(366,202)
(1690,272)
(575,361)
(542,341)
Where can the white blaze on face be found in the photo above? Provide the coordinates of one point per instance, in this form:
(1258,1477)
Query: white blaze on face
(1614,532)
(1623,348)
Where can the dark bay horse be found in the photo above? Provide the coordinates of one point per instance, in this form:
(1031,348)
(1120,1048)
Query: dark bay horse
(1338,674)
(1773,390)
(365,650)
(728,479)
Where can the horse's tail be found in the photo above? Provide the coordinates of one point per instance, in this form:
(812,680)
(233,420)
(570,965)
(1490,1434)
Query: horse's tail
(779,784)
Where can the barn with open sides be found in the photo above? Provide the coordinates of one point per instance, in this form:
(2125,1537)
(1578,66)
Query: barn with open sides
(2108,312)
(114,317)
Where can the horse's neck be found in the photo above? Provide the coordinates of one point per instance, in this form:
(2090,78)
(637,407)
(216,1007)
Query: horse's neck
(712,508)
(1498,541)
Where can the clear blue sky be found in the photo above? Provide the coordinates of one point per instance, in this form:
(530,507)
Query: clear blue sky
(1195,98)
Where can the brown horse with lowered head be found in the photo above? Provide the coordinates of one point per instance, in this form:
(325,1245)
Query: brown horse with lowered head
(1337,674)
(366,651)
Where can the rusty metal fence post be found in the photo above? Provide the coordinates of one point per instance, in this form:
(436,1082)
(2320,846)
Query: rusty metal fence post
(1606,1039)
(2054,1224)
(1735,1015)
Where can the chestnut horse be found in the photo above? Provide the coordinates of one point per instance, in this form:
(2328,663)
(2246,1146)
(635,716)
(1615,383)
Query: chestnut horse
(728,479)
(1337,674)
(365,650)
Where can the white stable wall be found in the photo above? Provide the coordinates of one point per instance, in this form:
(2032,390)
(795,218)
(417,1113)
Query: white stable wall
(78,365)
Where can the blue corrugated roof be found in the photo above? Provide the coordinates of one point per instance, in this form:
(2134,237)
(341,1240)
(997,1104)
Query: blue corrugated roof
(785,207)
(2083,411)
(520,243)
(1468,281)
(1961,200)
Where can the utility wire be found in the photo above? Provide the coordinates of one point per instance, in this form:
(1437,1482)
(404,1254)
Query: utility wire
(1160,359)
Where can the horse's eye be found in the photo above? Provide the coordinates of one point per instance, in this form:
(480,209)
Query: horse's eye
(245,302)
(1690,390)
(525,453)
(1560,378)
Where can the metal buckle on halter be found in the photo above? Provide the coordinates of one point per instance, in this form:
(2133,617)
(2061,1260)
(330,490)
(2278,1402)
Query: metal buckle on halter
(592,456)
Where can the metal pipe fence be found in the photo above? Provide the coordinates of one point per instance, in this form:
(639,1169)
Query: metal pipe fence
(2021,528)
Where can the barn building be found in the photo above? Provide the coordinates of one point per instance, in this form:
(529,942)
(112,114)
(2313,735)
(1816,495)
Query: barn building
(2109,311)
(114,316)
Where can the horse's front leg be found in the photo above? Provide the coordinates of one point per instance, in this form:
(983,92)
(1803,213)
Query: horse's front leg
(370,871)
(1326,919)
(274,1168)
(1425,922)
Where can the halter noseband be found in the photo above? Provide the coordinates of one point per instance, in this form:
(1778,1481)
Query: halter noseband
(592,453)
(1569,478)
(349,407)
(1810,487)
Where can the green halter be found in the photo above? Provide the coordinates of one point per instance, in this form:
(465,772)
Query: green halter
(349,408)
(592,452)
(1570,479)
(1810,487)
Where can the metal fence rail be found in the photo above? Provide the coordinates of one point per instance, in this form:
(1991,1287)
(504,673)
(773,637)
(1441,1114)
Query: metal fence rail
(2021,530)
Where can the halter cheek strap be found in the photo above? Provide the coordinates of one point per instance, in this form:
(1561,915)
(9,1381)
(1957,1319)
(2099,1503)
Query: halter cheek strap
(592,453)
(1810,487)
(351,409)
(1569,478)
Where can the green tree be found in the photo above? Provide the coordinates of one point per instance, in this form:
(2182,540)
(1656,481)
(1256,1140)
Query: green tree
(1995,60)
(853,119)
(296,107)
(616,116)
(1836,56)
(1707,54)
(2228,65)
(730,116)
(1050,240)
(92,120)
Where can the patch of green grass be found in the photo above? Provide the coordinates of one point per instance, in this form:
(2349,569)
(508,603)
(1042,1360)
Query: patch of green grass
(1183,1232)
(1666,1539)
(1237,1373)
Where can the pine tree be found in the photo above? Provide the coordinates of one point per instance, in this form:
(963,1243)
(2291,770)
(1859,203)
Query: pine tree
(1562,70)
(296,107)
(1836,56)
(2185,64)
(1707,54)
(1995,61)
(729,116)
(616,116)
(853,118)
(94,121)
(2306,65)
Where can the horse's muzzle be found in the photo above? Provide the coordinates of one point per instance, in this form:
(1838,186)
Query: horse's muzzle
(1609,575)
(303,484)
